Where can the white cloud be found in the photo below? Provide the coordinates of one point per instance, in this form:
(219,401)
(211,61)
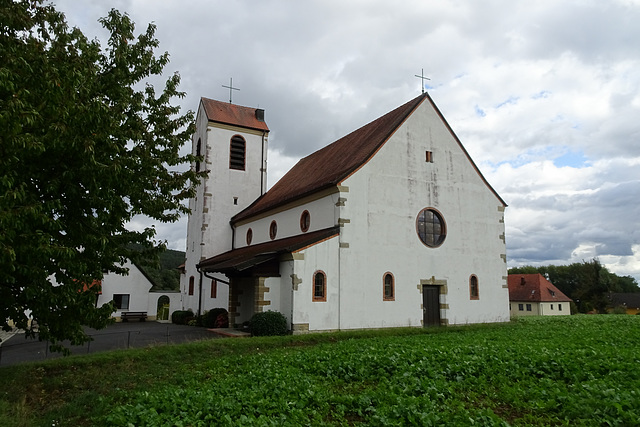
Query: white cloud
(523,84)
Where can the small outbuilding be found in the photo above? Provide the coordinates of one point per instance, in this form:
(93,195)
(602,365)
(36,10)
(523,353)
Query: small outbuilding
(533,295)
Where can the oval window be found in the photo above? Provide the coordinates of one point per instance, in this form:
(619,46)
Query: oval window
(431,227)
(249,236)
(273,229)
(305,221)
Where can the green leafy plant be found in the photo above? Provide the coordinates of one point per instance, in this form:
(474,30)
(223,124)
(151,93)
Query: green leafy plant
(268,323)
(181,317)
(216,318)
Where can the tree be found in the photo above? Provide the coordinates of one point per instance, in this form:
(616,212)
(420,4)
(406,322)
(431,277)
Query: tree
(84,147)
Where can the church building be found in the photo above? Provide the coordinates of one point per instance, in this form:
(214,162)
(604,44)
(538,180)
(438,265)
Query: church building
(392,225)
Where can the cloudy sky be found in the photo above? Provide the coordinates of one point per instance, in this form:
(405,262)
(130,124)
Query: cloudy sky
(544,95)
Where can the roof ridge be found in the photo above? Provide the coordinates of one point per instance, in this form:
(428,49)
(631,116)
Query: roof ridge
(332,163)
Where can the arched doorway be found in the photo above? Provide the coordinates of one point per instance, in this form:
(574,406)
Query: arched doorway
(163,308)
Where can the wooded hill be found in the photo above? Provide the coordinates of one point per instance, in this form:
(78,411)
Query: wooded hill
(164,273)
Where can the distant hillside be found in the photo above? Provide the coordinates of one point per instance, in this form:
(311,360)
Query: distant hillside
(165,276)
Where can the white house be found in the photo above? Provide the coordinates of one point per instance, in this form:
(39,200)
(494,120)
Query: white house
(392,225)
(132,293)
(534,295)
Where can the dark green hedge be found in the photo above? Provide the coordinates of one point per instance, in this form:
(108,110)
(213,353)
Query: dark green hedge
(268,323)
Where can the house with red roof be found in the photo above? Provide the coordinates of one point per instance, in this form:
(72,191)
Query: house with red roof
(533,295)
(391,225)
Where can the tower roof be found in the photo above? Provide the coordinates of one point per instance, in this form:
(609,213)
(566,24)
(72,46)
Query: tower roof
(231,114)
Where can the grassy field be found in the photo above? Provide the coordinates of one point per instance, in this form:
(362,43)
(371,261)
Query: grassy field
(570,371)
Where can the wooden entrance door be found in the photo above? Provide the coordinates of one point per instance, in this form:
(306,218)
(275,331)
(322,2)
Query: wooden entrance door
(431,305)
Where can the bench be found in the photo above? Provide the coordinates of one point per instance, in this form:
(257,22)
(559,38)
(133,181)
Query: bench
(140,315)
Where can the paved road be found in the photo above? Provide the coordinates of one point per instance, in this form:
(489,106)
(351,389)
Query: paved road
(117,336)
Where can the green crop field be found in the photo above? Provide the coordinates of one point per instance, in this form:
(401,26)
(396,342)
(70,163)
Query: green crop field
(569,371)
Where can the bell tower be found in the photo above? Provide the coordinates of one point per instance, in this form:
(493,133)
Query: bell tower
(233,142)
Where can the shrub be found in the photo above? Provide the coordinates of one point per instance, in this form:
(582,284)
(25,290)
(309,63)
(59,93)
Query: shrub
(216,318)
(268,323)
(180,317)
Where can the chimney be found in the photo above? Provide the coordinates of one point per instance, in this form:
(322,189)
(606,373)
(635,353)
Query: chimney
(260,114)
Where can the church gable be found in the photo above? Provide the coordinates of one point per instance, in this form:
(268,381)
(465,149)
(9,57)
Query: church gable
(328,166)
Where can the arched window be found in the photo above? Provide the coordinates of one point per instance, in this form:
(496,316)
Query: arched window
(237,153)
(198,153)
(273,229)
(319,286)
(474,292)
(191,285)
(249,236)
(214,288)
(431,227)
(388,283)
(305,221)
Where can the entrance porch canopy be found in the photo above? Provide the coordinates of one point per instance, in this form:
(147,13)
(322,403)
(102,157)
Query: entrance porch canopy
(237,261)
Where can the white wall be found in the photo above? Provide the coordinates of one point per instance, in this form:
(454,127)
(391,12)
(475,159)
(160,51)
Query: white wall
(318,315)
(383,200)
(321,212)
(135,284)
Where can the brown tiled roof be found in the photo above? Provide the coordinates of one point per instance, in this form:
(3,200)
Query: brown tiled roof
(627,299)
(332,164)
(248,256)
(231,114)
(534,288)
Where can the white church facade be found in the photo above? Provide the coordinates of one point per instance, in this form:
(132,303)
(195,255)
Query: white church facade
(392,225)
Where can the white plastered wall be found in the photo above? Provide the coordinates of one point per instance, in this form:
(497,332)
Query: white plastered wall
(309,314)
(321,212)
(383,200)
(135,284)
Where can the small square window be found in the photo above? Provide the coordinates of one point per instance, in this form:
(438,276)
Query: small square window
(528,307)
(521,307)
(121,301)
(429,156)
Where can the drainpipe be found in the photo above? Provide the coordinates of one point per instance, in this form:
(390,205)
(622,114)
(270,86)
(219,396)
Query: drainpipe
(263,167)
(200,294)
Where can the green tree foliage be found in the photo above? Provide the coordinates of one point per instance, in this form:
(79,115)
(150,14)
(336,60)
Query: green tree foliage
(588,283)
(163,270)
(85,145)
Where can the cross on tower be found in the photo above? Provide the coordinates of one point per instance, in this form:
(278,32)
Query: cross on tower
(231,88)
(422,79)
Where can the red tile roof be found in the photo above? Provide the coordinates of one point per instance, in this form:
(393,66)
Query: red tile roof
(334,163)
(231,114)
(534,288)
(248,256)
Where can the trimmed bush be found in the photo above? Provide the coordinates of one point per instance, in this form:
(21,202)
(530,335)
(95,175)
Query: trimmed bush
(216,318)
(180,317)
(268,323)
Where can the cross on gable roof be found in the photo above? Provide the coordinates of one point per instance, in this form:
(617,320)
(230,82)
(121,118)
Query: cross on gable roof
(331,165)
